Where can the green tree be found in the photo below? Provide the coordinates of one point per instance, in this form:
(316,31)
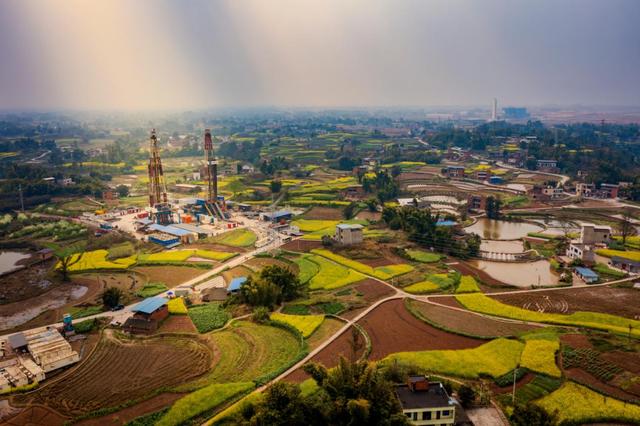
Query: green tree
(350,210)
(359,394)
(258,292)
(467,396)
(275,186)
(283,278)
(122,190)
(67,257)
(111,297)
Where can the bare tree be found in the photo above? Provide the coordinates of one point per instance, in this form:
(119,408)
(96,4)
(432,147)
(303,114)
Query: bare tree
(626,226)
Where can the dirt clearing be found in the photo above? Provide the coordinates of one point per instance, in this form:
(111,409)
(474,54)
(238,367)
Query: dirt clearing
(373,290)
(170,275)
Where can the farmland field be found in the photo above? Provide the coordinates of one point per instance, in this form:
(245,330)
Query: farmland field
(330,275)
(494,359)
(120,371)
(246,351)
(393,329)
(93,260)
(201,401)
(612,300)
(236,238)
(423,256)
(587,406)
(466,322)
(208,317)
(305,324)
(422,287)
(480,303)
(326,329)
(540,356)
(467,284)
(381,272)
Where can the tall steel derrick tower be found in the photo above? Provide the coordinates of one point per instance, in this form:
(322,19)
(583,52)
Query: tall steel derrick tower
(211,163)
(157,186)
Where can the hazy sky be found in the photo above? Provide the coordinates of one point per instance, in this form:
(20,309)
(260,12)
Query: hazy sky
(152,54)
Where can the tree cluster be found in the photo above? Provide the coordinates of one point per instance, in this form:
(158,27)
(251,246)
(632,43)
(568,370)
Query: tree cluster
(274,285)
(492,207)
(421,227)
(353,393)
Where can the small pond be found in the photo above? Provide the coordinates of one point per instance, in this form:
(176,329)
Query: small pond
(9,260)
(491,229)
(520,274)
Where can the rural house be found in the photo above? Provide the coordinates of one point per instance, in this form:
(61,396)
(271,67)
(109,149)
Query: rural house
(348,234)
(426,403)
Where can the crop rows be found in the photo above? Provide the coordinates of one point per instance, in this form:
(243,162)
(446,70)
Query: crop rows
(590,361)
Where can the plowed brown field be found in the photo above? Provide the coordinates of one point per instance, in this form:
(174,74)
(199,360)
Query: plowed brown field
(119,371)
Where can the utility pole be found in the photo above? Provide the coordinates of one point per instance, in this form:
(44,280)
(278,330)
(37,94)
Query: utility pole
(513,392)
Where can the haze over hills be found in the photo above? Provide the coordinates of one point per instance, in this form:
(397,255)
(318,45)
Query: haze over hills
(167,55)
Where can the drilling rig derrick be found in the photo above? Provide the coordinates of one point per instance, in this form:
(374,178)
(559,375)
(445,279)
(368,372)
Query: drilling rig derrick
(157,186)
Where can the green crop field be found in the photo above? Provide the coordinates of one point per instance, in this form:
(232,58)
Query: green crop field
(540,356)
(305,324)
(201,401)
(587,406)
(478,302)
(151,289)
(316,229)
(237,238)
(467,284)
(208,317)
(381,272)
(494,359)
(423,256)
(249,351)
(308,268)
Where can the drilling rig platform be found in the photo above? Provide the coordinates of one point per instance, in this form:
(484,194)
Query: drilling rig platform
(161,208)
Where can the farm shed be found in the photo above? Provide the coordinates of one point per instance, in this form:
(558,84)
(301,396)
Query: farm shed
(587,275)
(49,349)
(167,241)
(235,284)
(152,308)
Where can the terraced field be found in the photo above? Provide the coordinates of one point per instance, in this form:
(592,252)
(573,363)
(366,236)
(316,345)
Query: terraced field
(246,351)
(120,371)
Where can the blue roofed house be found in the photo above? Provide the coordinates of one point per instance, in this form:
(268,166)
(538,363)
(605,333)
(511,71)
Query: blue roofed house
(147,315)
(587,275)
(235,284)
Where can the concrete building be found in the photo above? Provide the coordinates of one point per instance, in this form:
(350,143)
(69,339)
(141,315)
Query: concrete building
(426,403)
(185,236)
(455,172)
(547,165)
(581,251)
(348,234)
(595,234)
